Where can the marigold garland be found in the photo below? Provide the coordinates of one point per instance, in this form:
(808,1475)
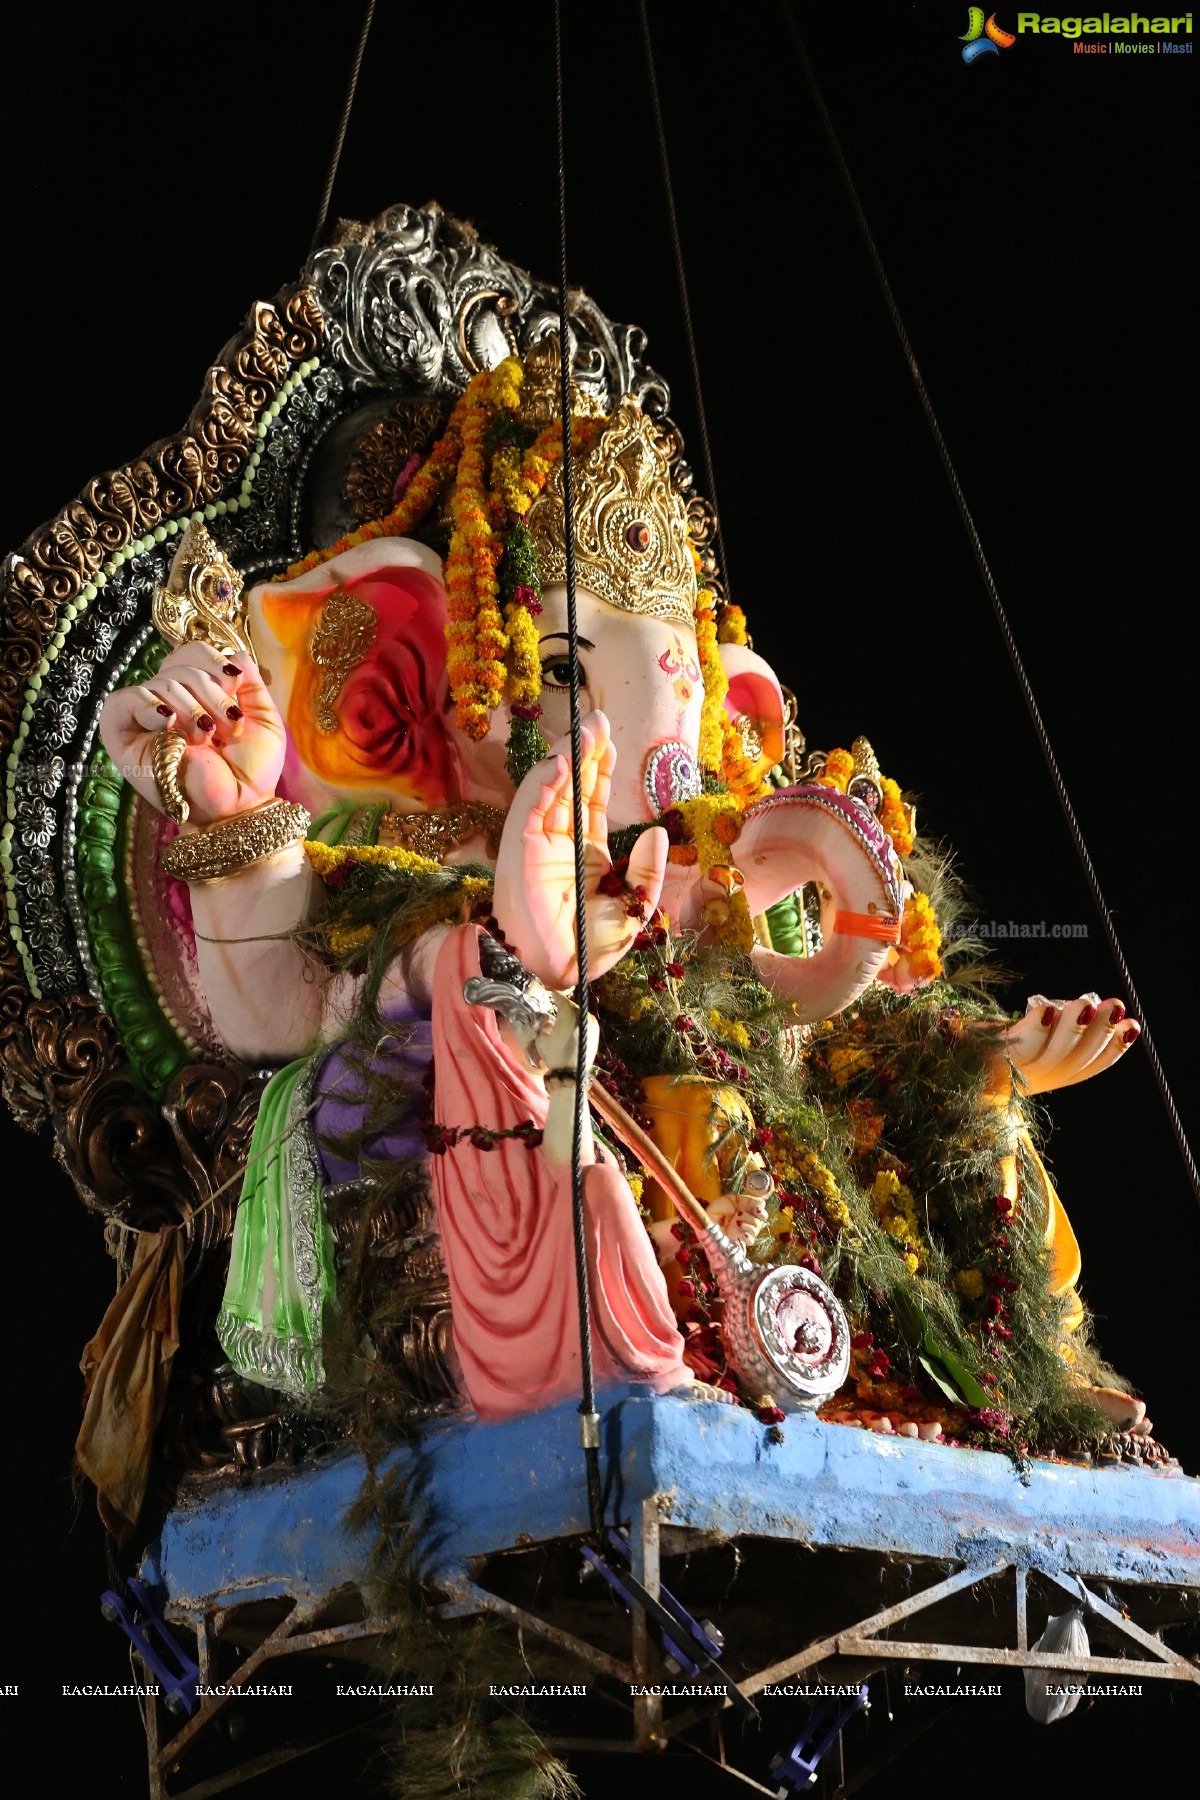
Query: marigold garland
(475,631)
(920,940)
(731,625)
(737,771)
(716,684)
(839,767)
(329,859)
(334,863)
(731,1031)
(713,822)
(896,818)
(894,1207)
(796,1165)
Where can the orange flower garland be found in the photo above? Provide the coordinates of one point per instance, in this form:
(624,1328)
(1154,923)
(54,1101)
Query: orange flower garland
(839,767)
(896,818)
(920,940)
(716,686)
(475,632)
(731,625)
(417,500)
(736,769)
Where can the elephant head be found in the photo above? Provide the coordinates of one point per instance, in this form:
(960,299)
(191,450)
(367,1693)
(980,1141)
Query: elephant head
(356,659)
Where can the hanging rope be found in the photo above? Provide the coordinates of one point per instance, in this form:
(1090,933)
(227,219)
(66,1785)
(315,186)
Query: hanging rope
(684,301)
(589,1418)
(1001,615)
(327,196)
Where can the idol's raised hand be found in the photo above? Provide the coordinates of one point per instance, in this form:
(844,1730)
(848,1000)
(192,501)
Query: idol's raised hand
(234,738)
(535,870)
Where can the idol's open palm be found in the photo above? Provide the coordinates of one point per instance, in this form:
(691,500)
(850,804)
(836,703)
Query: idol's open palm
(535,870)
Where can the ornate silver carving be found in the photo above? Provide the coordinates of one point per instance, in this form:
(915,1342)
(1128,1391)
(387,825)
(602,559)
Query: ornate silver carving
(784,1330)
(416,300)
(529,1011)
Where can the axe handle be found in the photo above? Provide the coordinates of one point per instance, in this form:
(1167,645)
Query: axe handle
(648,1152)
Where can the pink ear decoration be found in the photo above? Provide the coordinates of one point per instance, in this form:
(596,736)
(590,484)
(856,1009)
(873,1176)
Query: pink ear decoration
(755,696)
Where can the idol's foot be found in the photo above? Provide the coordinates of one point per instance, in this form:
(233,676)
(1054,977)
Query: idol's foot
(704,1390)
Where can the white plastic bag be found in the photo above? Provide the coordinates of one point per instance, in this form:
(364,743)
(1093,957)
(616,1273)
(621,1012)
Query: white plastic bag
(1065,1635)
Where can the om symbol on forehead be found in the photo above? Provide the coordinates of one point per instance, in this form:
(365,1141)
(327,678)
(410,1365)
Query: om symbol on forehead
(684,670)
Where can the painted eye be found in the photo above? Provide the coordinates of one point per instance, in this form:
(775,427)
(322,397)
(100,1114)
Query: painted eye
(557,674)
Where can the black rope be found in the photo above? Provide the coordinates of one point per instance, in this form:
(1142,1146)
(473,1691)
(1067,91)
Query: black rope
(327,196)
(588,1417)
(989,582)
(684,301)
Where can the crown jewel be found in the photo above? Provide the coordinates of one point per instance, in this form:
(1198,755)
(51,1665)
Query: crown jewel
(631,545)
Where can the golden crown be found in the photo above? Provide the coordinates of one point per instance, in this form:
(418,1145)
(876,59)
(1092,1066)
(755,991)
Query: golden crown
(631,545)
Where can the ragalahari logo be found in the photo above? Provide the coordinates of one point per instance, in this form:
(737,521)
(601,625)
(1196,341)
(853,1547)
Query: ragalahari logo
(983,37)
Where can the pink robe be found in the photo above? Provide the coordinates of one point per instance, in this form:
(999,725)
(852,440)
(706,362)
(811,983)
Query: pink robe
(505,1221)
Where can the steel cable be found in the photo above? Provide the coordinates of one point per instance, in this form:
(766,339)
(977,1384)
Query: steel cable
(998,608)
(684,300)
(347,108)
(589,1419)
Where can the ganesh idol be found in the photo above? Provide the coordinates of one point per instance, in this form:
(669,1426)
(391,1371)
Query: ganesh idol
(365,784)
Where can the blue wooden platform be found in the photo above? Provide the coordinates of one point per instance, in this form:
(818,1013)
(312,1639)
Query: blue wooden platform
(713,1469)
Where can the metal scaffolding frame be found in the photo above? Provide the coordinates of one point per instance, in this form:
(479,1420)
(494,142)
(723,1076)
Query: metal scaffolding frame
(862,1640)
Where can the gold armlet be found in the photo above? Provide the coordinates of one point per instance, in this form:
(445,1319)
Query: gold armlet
(235,844)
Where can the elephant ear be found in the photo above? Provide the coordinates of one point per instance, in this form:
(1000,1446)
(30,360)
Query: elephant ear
(354,653)
(755,704)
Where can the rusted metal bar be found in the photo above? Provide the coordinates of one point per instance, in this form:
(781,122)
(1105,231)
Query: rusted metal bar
(240,1676)
(622,1746)
(460,1589)
(1071,1584)
(895,1747)
(829,1646)
(271,1759)
(333,1634)
(734,1774)
(150,1724)
(1114,1668)
(205,1649)
(644,1551)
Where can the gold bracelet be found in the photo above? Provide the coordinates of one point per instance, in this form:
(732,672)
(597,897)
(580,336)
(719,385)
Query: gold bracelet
(235,844)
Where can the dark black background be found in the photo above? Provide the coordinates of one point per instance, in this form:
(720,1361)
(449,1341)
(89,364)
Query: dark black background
(1036,214)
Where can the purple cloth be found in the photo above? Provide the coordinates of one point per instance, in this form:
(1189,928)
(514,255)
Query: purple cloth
(341,1091)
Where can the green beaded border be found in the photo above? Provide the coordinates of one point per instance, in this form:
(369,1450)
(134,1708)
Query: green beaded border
(103,821)
(215,509)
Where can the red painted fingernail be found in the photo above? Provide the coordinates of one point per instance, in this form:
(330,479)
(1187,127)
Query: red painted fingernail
(1117,1014)
(205,723)
(1087,1015)
(233,712)
(1049,1014)
(1134,1032)
(230,669)
(165,711)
